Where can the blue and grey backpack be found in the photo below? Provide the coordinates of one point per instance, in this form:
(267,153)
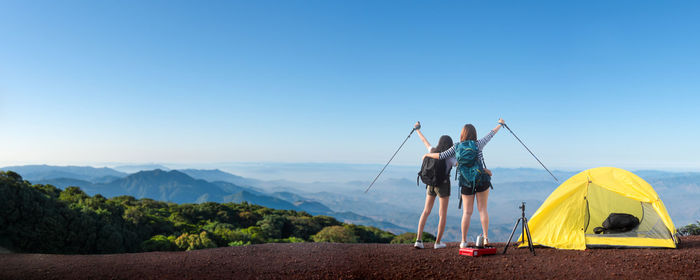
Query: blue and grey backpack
(470,172)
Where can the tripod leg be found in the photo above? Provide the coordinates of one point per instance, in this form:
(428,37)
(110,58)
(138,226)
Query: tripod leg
(523,228)
(511,235)
(529,238)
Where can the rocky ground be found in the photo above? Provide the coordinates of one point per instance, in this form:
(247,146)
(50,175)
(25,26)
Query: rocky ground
(362,261)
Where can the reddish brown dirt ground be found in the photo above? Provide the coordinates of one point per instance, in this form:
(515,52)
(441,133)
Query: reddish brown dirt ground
(362,261)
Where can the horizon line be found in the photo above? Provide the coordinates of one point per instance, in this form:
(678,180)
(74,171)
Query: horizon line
(211,165)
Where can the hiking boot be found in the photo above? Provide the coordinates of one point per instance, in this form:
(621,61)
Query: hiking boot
(463,245)
(440,245)
(418,245)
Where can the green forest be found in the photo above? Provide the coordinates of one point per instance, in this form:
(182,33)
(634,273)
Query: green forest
(45,219)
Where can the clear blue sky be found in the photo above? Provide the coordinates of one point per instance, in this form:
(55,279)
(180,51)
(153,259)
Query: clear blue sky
(583,83)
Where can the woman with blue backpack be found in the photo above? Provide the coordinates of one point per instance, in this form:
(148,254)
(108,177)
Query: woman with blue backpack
(474,179)
(441,188)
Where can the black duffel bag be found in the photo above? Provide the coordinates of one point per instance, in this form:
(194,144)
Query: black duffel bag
(617,223)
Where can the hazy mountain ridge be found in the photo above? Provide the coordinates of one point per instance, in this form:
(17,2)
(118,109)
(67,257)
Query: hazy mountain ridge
(133,168)
(171,185)
(176,186)
(214,175)
(44,172)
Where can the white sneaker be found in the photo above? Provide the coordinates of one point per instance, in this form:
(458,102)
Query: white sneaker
(463,245)
(418,245)
(440,245)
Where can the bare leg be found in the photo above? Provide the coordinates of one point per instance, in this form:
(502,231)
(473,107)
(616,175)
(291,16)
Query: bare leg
(429,200)
(443,216)
(481,202)
(467,209)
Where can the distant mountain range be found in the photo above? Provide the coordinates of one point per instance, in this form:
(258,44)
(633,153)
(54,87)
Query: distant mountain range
(179,187)
(215,175)
(139,167)
(85,173)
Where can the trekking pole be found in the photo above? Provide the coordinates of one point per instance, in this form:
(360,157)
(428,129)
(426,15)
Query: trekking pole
(538,160)
(392,157)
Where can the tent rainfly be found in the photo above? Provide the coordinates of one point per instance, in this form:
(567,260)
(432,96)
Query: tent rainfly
(566,220)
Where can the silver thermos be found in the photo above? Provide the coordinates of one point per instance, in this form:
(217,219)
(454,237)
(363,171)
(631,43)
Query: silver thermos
(480,241)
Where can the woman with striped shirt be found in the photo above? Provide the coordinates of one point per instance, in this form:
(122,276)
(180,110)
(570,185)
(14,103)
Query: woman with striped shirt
(468,194)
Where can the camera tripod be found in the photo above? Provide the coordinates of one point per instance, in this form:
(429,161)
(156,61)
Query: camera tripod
(526,230)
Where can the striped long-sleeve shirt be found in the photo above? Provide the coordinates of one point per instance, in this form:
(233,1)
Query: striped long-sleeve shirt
(450,153)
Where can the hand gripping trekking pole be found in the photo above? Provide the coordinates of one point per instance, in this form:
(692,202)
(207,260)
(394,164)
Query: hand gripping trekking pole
(392,157)
(538,160)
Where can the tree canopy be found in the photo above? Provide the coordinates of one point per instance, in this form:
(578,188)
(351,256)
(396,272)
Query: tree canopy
(691,229)
(44,219)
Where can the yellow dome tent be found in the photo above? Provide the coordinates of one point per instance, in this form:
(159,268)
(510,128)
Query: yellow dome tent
(567,218)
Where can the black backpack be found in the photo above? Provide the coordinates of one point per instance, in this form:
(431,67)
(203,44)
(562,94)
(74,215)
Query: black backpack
(433,172)
(617,223)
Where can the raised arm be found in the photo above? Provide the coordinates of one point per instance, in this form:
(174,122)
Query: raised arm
(483,141)
(498,127)
(422,138)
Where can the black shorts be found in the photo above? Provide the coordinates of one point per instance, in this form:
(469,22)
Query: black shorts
(470,191)
(443,190)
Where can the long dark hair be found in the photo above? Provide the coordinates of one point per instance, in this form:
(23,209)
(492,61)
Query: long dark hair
(444,144)
(468,133)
